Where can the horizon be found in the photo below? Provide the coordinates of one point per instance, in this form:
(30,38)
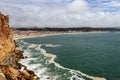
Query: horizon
(59,27)
(64,13)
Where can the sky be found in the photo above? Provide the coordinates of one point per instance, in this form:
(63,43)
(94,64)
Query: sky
(62,13)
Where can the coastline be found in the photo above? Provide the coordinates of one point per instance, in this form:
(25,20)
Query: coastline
(10,68)
(53,33)
(52,60)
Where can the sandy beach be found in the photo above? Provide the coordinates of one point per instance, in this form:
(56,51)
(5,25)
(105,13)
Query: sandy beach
(52,60)
(30,34)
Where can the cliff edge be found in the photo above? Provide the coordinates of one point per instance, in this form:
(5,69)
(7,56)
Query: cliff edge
(10,68)
(7,45)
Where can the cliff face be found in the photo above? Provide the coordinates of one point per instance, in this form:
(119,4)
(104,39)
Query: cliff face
(7,45)
(10,68)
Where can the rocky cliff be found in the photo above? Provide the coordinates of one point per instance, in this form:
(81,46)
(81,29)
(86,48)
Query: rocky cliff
(7,45)
(10,68)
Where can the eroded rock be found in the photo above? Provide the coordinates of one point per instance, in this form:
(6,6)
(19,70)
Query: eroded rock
(7,45)
(2,76)
(10,68)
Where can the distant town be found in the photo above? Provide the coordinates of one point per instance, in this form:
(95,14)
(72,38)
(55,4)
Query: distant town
(26,32)
(83,29)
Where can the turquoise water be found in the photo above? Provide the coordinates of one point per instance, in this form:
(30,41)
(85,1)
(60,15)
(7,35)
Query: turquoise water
(95,54)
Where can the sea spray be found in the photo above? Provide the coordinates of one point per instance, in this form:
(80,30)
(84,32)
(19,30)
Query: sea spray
(44,66)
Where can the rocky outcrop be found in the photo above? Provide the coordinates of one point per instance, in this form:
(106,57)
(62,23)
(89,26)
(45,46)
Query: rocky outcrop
(10,68)
(13,70)
(7,45)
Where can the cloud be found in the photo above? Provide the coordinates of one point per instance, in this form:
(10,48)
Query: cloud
(61,13)
(78,6)
(114,3)
(9,1)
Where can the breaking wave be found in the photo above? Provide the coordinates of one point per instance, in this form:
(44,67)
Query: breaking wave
(44,65)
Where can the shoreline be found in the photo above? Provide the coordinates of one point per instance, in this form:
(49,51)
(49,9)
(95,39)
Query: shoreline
(54,33)
(52,60)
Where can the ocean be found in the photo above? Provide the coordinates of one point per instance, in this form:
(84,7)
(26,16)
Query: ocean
(89,56)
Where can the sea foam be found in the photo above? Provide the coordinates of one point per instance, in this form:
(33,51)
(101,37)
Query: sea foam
(44,65)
